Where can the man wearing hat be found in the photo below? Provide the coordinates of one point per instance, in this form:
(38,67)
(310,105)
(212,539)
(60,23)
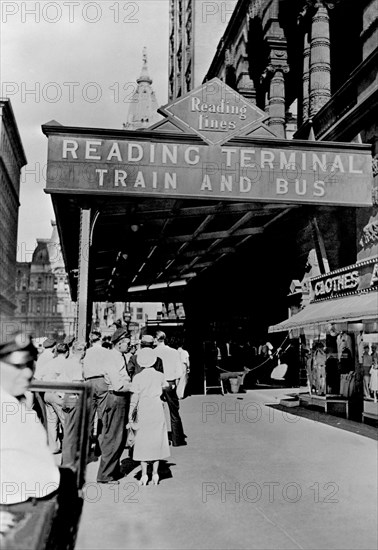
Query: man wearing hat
(48,353)
(133,365)
(116,408)
(73,372)
(52,371)
(173,370)
(93,371)
(27,466)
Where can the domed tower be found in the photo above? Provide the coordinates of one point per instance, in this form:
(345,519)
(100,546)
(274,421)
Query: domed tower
(143,104)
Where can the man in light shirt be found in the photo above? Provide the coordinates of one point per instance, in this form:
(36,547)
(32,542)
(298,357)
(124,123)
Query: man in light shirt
(50,372)
(73,372)
(173,371)
(184,357)
(116,408)
(48,353)
(93,370)
(35,495)
(27,467)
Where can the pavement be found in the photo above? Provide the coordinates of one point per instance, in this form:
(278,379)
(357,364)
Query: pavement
(251,477)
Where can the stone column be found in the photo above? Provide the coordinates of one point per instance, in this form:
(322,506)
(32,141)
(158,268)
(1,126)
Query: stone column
(320,58)
(306,77)
(83,305)
(277,108)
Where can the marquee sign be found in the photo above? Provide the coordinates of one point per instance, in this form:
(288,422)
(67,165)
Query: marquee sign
(160,163)
(348,280)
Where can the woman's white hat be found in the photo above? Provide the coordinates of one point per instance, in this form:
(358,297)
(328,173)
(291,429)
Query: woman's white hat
(146,357)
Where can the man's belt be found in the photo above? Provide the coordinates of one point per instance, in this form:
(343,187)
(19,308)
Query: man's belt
(93,377)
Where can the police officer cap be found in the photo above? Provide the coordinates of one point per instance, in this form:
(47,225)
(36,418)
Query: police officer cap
(119,334)
(18,350)
(49,343)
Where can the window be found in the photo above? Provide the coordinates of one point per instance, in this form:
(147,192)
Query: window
(139,314)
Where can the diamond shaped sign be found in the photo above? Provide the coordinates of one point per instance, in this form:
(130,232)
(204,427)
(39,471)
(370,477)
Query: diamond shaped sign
(215,112)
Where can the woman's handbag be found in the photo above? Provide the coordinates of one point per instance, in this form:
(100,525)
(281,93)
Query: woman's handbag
(130,438)
(131,430)
(134,415)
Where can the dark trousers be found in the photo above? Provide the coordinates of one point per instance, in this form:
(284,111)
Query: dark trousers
(70,443)
(113,435)
(172,400)
(99,394)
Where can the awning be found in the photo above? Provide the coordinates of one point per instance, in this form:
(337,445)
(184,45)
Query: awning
(349,309)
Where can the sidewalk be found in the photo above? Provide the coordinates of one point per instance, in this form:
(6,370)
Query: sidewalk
(251,477)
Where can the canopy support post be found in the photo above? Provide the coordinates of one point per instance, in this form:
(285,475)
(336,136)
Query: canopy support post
(83,310)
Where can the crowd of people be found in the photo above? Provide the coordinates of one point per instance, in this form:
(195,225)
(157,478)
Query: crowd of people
(122,377)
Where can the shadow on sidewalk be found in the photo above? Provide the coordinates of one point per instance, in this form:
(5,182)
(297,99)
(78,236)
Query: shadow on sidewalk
(331,420)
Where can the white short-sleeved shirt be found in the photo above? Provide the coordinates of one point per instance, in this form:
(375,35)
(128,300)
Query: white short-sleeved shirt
(115,373)
(96,358)
(172,365)
(27,467)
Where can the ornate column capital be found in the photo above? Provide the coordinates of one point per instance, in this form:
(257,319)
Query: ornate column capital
(277,62)
(311,6)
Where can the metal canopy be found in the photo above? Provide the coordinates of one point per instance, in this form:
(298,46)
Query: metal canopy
(145,249)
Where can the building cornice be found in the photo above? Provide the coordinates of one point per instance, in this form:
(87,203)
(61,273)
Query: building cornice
(241,10)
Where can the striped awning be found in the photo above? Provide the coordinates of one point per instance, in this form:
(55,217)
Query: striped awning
(361,307)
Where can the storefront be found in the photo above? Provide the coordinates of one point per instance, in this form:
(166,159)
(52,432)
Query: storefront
(338,334)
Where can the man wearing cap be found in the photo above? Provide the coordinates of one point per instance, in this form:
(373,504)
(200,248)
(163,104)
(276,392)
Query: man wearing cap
(48,353)
(73,372)
(173,370)
(116,408)
(27,467)
(133,366)
(52,371)
(93,371)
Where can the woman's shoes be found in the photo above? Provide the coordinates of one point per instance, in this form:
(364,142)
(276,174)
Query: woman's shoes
(155,479)
(143,480)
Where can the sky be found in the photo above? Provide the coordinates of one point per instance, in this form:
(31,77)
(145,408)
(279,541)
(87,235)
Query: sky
(75,62)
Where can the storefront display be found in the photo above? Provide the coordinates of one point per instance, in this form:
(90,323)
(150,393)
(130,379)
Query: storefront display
(338,332)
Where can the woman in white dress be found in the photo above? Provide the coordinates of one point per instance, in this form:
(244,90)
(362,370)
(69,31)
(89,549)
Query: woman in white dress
(151,439)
